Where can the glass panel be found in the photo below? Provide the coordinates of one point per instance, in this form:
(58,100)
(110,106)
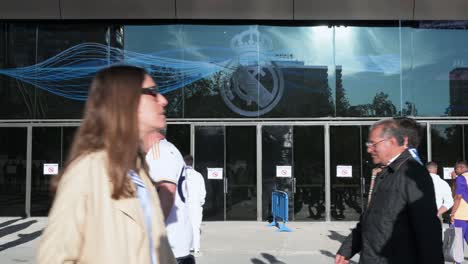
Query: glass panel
(159,49)
(46,148)
(301,59)
(345,150)
(209,153)
(368,75)
(277,150)
(72,46)
(68,136)
(447,146)
(13,173)
(179,135)
(227,80)
(17,98)
(434,68)
(241,172)
(309,171)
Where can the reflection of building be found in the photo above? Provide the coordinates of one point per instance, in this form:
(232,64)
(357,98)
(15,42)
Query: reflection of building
(459,92)
(307,90)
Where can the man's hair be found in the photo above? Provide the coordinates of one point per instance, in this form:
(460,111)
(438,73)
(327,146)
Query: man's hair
(461,162)
(411,129)
(431,164)
(188,160)
(390,128)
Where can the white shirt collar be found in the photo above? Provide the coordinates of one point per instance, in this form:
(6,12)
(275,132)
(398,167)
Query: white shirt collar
(393,159)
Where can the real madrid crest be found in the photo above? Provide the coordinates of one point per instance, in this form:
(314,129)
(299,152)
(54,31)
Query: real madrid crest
(254,84)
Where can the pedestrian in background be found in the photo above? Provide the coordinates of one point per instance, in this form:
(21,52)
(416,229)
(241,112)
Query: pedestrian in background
(459,215)
(196,199)
(443,193)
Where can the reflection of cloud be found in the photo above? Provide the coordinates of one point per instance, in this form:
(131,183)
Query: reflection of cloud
(313,45)
(182,40)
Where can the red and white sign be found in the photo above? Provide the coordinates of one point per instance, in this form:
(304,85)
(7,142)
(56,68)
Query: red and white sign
(344,171)
(283,171)
(215,173)
(50,168)
(448,173)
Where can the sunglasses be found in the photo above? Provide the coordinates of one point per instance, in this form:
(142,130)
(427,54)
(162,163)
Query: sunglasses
(153,91)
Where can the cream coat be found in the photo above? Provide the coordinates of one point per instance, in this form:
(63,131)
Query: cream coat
(87,226)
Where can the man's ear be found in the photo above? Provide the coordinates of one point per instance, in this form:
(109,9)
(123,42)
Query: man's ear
(405,142)
(394,141)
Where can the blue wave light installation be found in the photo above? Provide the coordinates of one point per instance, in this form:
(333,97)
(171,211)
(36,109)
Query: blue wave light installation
(68,74)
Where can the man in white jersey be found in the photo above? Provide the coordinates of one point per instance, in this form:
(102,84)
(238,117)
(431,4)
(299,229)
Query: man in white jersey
(443,192)
(167,169)
(196,199)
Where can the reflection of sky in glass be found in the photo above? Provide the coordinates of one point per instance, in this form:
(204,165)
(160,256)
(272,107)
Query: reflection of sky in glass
(369,56)
(428,57)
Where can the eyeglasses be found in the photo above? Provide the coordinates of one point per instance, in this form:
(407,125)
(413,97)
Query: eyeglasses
(153,91)
(373,145)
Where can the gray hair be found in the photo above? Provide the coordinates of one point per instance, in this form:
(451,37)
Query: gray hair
(390,128)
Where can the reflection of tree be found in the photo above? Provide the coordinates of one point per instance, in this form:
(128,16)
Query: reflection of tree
(381,106)
(203,99)
(342,102)
(446,140)
(409,109)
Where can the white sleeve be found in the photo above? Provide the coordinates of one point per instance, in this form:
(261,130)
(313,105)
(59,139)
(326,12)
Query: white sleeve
(166,167)
(202,189)
(446,195)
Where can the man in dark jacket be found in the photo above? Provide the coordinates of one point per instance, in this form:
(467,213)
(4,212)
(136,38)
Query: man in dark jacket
(400,224)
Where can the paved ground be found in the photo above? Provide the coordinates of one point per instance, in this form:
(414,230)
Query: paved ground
(222,242)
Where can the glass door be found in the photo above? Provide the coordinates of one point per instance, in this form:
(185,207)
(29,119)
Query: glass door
(347,181)
(209,160)
(241,173)
(277,164)
(309,173)
(229,151)
(13,173)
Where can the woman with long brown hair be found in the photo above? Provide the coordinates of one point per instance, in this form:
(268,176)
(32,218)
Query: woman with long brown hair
(106,209)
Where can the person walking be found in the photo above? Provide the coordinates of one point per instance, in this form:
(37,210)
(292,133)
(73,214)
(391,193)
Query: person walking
(443,192)
(167,169)
(106,209)
(196,199)
(459,215)
(400,224)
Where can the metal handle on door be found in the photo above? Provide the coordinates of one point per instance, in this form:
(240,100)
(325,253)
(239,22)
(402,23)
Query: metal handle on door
(293,185)
(225,185)
(363,185)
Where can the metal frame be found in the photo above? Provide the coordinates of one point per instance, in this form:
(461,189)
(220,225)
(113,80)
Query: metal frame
(259,172)
(258,123)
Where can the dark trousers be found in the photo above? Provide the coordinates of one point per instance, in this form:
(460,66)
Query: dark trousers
(189,259)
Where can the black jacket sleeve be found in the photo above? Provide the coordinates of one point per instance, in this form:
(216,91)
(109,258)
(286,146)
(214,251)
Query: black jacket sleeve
(422,212)
(352,244)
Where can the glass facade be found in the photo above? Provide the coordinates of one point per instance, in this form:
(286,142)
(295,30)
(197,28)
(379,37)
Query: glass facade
(246,98)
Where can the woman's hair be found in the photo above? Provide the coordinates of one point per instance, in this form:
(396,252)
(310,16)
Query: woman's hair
(110,123)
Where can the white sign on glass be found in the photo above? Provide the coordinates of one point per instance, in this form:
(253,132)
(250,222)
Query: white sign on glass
(50,168)
(215,173)
(344,171)
(283,171)
(447,173)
